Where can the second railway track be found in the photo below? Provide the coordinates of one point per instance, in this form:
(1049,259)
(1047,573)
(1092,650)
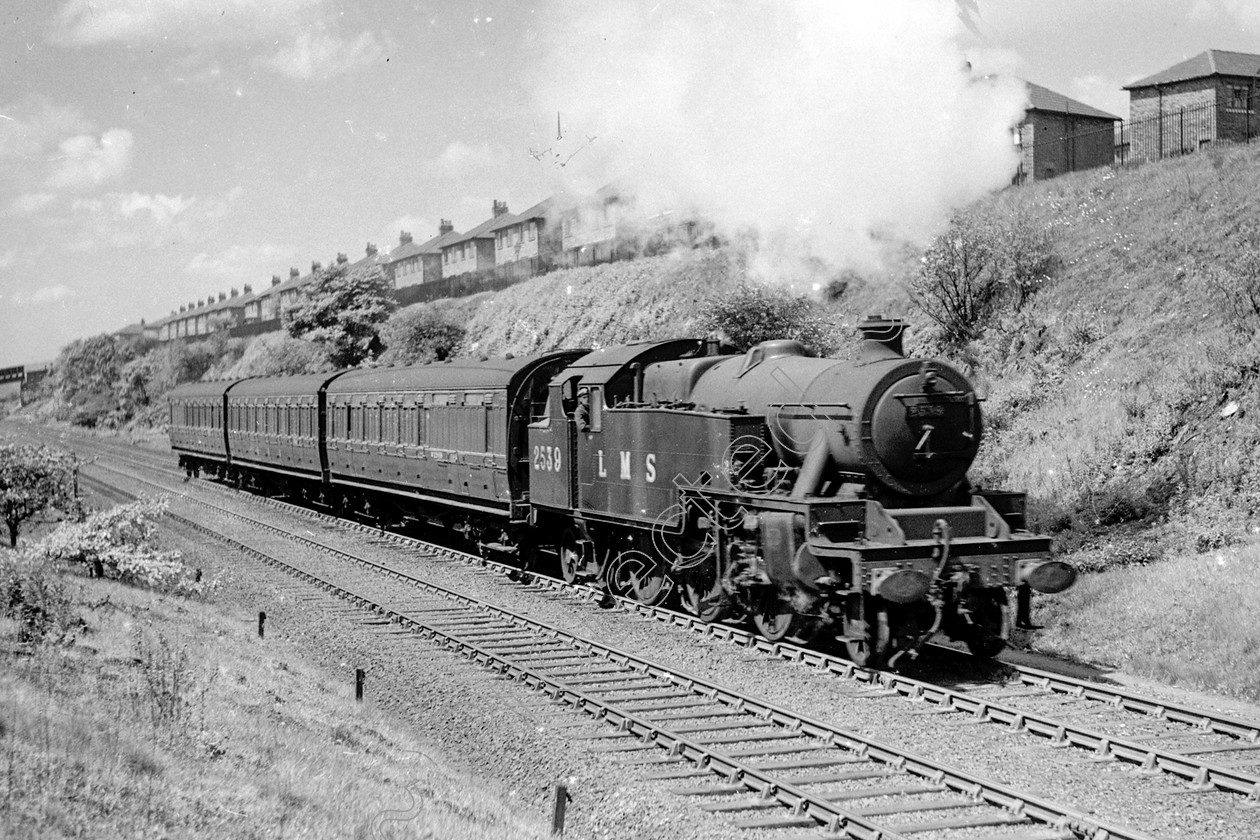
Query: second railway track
(1208,750)
(775,767)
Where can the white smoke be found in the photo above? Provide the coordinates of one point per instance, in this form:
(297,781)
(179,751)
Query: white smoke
(829,128)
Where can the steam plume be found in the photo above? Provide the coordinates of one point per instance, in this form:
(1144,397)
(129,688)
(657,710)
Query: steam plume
(829,128)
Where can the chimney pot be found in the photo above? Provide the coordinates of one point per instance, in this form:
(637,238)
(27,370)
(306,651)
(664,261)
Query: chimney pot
(445,227)
(233,293)
(499,207)
(223,297)
(275,279)
(293,271)
(342,259)
(315,266)
(371,249)
(404,238)
(182,308)
(249,290)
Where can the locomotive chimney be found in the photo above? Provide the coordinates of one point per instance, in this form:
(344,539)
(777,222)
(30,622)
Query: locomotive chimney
(881,336)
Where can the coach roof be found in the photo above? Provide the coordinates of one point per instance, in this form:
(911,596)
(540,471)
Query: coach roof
(194,390)
(282,386)
(450,376)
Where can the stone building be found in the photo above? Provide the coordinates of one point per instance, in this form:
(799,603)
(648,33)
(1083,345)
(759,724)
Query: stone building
(1059,134)
(1209,98)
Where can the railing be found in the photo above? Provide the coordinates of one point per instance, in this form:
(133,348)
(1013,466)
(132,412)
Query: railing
(1167,134)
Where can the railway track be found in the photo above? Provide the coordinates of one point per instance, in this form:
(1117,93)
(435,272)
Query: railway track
(1208,750)
(742,754)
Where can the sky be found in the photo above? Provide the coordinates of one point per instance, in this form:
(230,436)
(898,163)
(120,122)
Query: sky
(154,154)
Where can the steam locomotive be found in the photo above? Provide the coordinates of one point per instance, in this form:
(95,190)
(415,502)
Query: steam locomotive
(815,497)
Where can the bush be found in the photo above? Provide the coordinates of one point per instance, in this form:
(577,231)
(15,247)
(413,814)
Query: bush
(275,354)
(420,334)
(753,313)
(144,381)
(980,266)
(36,598)
(88,371)
(122,543)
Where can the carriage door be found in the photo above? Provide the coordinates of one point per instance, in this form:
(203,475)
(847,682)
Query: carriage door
(551,449)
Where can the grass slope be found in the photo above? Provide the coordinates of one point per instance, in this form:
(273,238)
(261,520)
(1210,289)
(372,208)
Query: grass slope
(170,718)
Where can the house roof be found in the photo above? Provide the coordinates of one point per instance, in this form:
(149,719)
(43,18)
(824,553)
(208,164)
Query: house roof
(1043,99)
(429,246)
(538,211)
(484,230)
(1207,63)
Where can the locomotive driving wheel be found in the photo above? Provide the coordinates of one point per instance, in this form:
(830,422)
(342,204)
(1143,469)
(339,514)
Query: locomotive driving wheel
(572,560)
(702,594)
(990,624)
(870,646)
(772,614)
(647,577)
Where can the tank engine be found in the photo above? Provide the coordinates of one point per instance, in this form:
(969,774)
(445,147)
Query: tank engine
(813,495)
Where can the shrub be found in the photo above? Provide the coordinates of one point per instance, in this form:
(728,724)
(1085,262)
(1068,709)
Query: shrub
(122,543)
(172,692)
(87,371)
(36,598)
(276,354)
(981,265)
(420,334)
(753,313)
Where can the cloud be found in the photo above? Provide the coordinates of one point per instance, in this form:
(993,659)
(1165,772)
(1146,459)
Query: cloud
(134,219)
(33,126)
(43,295)
(28,204)
(161,209)
(457,160)
(421,228)
(240,264)
(50,294)
(86,162)
(322,55)
(87,22)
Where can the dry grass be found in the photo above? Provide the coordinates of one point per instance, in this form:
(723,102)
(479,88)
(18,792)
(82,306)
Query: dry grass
(170,718)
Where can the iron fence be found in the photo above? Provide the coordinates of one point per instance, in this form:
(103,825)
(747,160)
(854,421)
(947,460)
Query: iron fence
(1167,134)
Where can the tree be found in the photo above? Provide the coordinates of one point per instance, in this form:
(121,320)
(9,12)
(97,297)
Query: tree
(420,334)
(33,479)
(342,310)
(754,313)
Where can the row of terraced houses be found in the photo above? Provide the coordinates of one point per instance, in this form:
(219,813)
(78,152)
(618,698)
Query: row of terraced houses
(503,249)
(1209,99)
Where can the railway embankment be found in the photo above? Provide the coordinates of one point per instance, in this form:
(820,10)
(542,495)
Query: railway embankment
(158,715)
